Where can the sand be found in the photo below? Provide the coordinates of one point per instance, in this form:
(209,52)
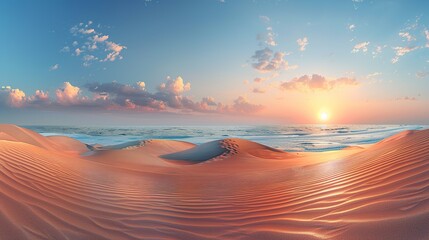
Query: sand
(59,188)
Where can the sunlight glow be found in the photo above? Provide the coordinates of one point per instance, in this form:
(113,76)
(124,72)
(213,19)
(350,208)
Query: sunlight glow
(323,116)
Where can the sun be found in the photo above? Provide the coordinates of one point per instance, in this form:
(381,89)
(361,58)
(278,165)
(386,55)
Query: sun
(324,116)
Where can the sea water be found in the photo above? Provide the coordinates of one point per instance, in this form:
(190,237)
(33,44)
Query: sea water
(288,138)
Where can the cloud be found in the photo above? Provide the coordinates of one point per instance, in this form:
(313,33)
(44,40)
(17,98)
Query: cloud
(54,67)
(175,86)
(99,46)
(242,105)
(427,38)
(422,74)
(351,27)
(40,98)
(360,47)
(317,82)
(118,96)
(401,51)
(88,59)
(302,42)
(16,98)
(115,51)
(78,51)
(142,85)
(100,39)
(65,49)
(268,38)
(68,95)
(87,31)
(13,97)
(265,60)
(259,80)
(264,19)
(373,75)
(407,36)
(356,3)
(406,98)
(378,50)
(258,90)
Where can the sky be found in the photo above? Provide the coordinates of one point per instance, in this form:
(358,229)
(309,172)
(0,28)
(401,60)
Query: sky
(214,62)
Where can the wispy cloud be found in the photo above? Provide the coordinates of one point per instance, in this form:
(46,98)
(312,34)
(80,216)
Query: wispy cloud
(351,27)
(422,74)
(264,19)
(317,82)
(378,50)
(258,90)
(373,75)
(98,46)
(54,67)
(302,43)
(407,36)
(360,47)
(401,51)
(406,98)
(267,38)
(259,79)
(427,38)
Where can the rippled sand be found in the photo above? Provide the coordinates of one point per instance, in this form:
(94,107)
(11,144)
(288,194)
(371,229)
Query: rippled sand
(58,188)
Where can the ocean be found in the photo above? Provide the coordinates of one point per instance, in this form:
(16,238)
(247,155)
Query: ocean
(291,138)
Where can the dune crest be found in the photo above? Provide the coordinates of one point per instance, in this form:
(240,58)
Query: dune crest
(226,148)
(49,191)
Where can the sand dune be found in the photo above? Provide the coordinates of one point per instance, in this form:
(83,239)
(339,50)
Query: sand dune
(57,188)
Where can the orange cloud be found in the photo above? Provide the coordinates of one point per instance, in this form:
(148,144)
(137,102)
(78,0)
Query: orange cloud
(317,82)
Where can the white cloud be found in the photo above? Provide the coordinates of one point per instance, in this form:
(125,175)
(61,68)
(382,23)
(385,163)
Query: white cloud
(407,36)
(98,44)
(373,75)
(77,51)
(54,67)
(352,27)
(65,49)
(401,51)
(302,42)
(360,47)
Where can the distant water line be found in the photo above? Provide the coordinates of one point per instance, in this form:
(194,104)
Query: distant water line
(289,138)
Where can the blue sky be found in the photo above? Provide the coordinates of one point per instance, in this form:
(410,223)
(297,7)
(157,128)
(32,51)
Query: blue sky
(352,52)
